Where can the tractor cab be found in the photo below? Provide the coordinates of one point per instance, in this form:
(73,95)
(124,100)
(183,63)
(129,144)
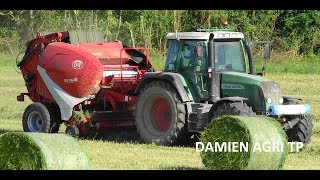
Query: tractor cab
(190,49)
(189,55)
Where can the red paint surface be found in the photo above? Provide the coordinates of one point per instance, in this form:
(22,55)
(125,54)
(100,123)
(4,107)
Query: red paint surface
(37,90)
(161,114)
(107,52)
(61,61)
(58,59)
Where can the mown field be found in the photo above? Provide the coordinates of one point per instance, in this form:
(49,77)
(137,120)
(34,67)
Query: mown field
(114,152)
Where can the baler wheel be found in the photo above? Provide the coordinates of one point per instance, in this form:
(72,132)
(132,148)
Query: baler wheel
(72,130)
(40,118)
(55,117)
(160,115)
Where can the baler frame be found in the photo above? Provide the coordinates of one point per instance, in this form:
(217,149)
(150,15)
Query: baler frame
(116,87)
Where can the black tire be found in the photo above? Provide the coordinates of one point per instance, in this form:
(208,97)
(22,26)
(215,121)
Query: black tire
(226,108)
(162,124)
(302,130)
(55,117)
(232,108)
(39,117)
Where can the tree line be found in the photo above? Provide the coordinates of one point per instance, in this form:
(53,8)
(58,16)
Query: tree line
(291,30)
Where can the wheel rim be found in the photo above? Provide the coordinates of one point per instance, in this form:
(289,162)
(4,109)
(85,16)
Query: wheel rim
(161,114)
(34,121)
(72,130)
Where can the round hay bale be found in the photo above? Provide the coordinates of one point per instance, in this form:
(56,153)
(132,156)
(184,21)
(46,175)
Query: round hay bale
(257,131)
(41,151)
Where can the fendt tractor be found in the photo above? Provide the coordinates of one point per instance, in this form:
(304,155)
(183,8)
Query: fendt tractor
(88,84)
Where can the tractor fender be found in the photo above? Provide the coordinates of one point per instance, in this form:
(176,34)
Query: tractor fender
(172,78)
(287,98)
(227,99)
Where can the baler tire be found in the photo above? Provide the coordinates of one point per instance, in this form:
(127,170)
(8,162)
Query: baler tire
(39,110)
(160,114)
(55,117)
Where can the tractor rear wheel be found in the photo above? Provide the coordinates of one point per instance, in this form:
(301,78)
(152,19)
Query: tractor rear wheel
(39,117)
(302,130)
(160,115)
(232,108)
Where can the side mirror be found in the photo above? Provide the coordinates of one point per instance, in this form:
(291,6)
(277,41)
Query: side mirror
(267,51)
(199,50)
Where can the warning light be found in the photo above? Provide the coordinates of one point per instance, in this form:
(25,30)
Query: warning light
(225,23)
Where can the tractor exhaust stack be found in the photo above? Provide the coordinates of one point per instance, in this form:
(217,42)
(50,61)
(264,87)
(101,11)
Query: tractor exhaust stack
(214,78)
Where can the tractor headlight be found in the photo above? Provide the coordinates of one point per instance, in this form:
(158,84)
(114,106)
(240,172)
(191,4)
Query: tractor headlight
(269,100)
(280,100)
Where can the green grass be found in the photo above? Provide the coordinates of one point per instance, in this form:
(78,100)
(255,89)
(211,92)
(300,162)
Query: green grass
(299,65)
(107,153)
(126,155)
(157,60)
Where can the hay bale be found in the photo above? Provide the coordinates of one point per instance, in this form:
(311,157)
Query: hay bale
(258,129)
(41,151)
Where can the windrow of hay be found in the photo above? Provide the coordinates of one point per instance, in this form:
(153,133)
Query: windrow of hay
(41,151)
(254,130)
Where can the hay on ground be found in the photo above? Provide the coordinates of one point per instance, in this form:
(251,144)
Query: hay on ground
(257,129)
(41,151)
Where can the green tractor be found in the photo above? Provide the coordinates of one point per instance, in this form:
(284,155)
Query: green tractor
(209,73)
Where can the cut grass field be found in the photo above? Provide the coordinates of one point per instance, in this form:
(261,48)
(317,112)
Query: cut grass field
(112,152)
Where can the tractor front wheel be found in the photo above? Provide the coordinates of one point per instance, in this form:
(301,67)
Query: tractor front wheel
(41,118)
(160,115)
(232,108)
(302,130)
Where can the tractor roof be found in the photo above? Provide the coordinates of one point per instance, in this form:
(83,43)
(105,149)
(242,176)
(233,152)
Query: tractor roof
(205,35)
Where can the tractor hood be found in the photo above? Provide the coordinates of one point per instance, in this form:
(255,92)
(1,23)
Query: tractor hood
(243,77)
(261,92)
